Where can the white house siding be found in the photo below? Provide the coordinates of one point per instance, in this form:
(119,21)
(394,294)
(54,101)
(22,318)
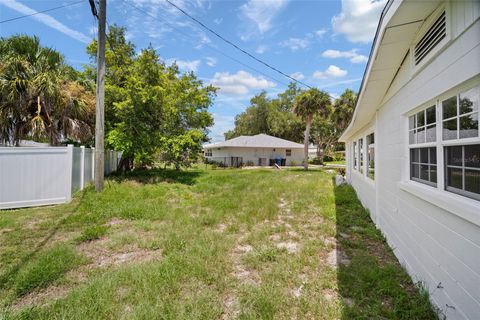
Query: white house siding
(253,154)
(436,246)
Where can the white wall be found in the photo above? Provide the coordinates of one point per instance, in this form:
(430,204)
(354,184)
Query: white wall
(253,154)
(433,237)
(32,176)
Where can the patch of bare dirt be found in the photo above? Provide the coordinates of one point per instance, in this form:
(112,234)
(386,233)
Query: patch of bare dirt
(231,307)
(41,297)
(290,246)
(329,294)
(102,257)
(337,256)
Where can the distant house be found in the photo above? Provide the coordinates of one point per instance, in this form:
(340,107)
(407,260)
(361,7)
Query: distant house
(413,146)
(258,150)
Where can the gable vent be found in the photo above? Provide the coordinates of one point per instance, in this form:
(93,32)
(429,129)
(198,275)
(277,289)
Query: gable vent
(436,33)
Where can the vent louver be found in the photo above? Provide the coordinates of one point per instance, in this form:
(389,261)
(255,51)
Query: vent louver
(436,33)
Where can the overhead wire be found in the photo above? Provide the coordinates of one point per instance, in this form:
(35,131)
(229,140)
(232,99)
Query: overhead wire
(43,11)
(235,45)
(206,44)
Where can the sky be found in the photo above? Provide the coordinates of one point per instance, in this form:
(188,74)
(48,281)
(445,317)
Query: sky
(323,43)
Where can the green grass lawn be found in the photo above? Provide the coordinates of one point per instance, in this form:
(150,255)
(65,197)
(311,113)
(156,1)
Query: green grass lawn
(198,244)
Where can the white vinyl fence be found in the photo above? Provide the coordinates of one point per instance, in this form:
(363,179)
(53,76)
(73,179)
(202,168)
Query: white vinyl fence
(33,176)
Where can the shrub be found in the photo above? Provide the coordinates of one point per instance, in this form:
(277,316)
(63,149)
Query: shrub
(249,163)
(327,158)
(92,233)
(293,163)
(46,268)
(317,160)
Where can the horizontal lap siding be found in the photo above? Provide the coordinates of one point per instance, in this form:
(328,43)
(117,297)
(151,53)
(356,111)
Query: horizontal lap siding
(434,245)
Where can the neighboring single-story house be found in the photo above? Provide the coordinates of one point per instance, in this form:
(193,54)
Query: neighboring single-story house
(258,150)
(413,146)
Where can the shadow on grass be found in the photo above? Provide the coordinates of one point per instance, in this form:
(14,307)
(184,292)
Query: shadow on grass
(371,282)
(152,176)
(11,274)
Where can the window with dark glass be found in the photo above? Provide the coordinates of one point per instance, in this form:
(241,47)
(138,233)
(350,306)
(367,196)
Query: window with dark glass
(371,156)
(422,126)
(460,115)
(423,165)
(288,152)
(360,153)
(355,155)
(462,170)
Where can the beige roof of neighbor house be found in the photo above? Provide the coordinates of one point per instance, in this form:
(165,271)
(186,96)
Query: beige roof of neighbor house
(256,141)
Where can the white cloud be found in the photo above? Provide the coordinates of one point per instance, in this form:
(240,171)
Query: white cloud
(331,72)
(222,123)
(352,55)
(298,75)
(295,43)
(239,83)
(211,61)
(261,49)
(358,19)
(184,65)
(46,19)
(320,33)
(261,13)
(218,21)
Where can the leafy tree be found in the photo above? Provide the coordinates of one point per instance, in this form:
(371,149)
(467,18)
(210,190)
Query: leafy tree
(151,109)
(270,116)
(40,98)
(306,105)
(343,108)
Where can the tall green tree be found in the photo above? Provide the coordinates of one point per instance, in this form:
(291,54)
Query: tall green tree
(306,105)
(40,98)
(152,110)
(343,108)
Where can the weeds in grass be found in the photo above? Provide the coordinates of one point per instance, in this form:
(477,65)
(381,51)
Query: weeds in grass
(48,266)
(92,233)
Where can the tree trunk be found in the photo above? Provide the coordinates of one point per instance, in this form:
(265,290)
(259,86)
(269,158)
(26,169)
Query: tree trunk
(305,142)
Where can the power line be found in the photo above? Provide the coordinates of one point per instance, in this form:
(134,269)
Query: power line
(206,44)
(43,11)
(236,46)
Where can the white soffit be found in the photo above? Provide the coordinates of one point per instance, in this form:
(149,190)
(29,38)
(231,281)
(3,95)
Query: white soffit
(396,38)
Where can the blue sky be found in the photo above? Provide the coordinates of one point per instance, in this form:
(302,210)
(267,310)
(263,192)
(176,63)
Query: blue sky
(324,43)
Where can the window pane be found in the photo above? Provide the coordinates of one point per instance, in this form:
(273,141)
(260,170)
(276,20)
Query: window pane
(472,181)
(415,155)
(421,135)
(421,118)
(424,172)
(469,126)
(472,156)
(469,100)
(454,178)
(415,171)
(433,155)
(411,122)
(454,156)
(449,107)
(431,133)
(433,174)
(431,115)
(411,137)
(424,155)
(450,129)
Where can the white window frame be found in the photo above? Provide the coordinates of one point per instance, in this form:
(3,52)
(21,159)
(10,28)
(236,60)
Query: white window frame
(467,203)
(367,171)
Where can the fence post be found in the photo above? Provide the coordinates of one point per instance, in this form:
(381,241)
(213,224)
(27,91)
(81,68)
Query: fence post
(82,167)
(93,162)
(68,191)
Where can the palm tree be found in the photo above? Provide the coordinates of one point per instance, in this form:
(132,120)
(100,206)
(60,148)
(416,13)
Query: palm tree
(306,106)
(343,108)
(38,99)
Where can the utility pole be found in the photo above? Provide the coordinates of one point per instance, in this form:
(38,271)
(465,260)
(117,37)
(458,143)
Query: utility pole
(100,104)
